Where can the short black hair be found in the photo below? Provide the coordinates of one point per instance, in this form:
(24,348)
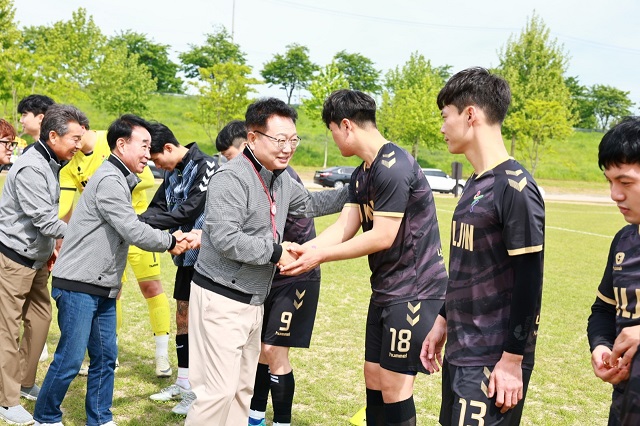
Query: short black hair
(621,144)
(353,105)
(477,86)
(234,133)
(259,112)
(122,127)
(57,119)
(37,104)
(161,135)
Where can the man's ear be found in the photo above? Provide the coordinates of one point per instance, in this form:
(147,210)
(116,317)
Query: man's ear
(471,114)
(168,147)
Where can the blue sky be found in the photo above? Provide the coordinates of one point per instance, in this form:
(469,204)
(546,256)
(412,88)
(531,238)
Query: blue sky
(601,38)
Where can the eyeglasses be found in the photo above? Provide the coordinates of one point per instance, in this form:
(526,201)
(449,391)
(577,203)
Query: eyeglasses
(9,145)
(280,143)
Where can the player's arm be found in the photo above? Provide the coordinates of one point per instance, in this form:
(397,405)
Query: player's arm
(67,193)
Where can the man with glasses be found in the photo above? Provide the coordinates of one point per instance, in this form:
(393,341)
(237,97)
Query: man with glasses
(29,213)
(248,202)
(7,142)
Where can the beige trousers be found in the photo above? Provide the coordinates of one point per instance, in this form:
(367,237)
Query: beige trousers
(224,346)
(24,298)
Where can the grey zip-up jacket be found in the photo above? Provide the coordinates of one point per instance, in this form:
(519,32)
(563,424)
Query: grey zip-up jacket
(239,250)
(29,206)
(103,225)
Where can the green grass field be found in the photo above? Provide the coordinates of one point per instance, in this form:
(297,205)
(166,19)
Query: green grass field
(330,385)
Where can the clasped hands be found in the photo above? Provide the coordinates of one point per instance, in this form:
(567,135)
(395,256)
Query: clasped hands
(186,241)
(296,258)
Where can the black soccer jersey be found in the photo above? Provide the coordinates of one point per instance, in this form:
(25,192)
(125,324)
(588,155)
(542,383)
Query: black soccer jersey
(499,215)
(413,267)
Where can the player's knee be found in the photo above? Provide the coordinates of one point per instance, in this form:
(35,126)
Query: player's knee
(151,288)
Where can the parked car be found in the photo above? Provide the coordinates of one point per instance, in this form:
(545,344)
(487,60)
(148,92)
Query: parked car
(335,177)
(439,181)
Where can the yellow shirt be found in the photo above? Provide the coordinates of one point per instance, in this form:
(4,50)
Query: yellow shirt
(75,175)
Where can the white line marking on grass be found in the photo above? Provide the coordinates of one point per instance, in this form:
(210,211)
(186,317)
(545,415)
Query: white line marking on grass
(579,232)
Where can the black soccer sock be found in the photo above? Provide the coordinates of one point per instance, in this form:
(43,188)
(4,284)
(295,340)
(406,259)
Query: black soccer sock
(282,390)
(182,350)
(261,389)
(401,413)
(375,408)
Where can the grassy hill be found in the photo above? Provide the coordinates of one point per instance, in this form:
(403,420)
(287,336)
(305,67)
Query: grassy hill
(572,160)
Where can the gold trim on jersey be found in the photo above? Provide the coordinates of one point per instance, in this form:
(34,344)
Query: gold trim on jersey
(388,214)
(493,166)
(525,250)
(606,299)
(351,205)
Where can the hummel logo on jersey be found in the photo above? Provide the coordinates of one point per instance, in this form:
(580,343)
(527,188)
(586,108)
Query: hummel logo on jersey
(484,386)
(298,303)
(208,173)
(476,200)
(518,185)
(389,163)
(413,310)
(514,172)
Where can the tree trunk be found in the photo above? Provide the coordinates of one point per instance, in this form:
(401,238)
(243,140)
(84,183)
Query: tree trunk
(513,146)
(326,147)
(415,149)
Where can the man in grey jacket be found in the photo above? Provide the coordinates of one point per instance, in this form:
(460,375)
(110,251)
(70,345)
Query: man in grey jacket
(30,226)
(248,201)
(87,277)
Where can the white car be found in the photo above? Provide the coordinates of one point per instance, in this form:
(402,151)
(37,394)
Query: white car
(439,181)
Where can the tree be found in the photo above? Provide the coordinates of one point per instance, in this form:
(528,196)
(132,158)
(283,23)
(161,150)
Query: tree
(534,66)
(409,113)
(359,71)
(326,82)
(537,123)
(292,70)
(610,104)
(582,104)
(121,84)
(154,56)
(224,90)
(218,48)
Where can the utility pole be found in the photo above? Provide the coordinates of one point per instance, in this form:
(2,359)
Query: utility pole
(233,18)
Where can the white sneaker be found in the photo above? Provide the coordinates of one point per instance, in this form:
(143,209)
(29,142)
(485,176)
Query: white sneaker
(167,394)
(45,354)
(163,368)
(16,415)
(84,370)
(188,397)
(48,424)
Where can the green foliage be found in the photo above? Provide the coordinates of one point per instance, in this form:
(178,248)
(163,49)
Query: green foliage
(326,82)
(154,56)
(582,106)
(292,70)
(610,104)
(534,66)
(121,84)
(13,78)
(538,123)
(409,114)
(218,48)
(359,71)
(224,90)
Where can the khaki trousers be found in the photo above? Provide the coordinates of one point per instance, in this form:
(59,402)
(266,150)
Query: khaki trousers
(224,346)
(24,298)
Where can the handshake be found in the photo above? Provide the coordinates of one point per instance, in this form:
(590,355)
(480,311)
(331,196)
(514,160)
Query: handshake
(186,241)
(296,259)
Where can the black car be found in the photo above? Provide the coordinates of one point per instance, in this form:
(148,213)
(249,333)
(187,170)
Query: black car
(336,177)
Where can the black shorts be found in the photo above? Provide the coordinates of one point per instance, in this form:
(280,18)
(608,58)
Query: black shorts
(289,314)
(464,395)
(395,334)
(182,288)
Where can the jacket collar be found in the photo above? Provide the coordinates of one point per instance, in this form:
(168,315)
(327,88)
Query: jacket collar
(46,152)
(266,174)
(131,178)
(187,157)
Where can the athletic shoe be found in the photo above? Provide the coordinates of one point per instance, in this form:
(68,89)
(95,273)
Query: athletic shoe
(48,424)
(16,415)
(111,423)
(84,370)
(257,422)
(188,397)
(30,393)
(45,354)
(163,368)
(167,394)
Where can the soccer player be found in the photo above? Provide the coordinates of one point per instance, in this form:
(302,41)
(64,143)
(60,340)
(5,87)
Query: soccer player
(492,306)
(389,197)
(248,201)
(30,226)
(146,266)
(614,324)
(32,109)
(179,204)
(87,276)
(232,139)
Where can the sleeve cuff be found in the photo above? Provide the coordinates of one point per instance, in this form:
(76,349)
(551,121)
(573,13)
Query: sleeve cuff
(277,253)
(173,242)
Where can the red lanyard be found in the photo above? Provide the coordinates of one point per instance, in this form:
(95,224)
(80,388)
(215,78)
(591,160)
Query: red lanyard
(272,204)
